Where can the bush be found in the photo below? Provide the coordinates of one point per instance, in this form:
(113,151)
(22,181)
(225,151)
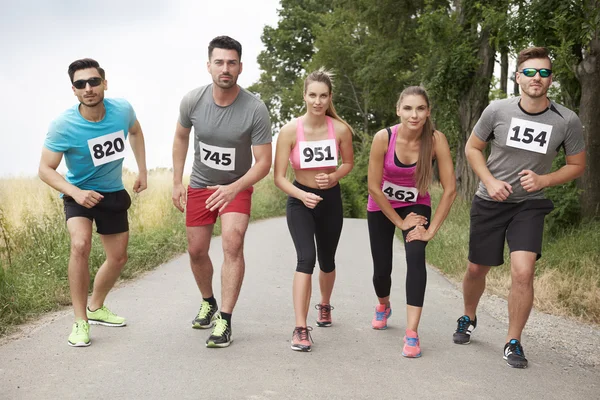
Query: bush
(567,205)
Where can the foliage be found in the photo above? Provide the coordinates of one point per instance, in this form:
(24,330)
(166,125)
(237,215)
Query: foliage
(567,207)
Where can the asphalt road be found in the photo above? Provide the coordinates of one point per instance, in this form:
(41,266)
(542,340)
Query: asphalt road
(159,356)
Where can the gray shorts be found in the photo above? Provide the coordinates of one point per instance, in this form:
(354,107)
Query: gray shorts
(493,222)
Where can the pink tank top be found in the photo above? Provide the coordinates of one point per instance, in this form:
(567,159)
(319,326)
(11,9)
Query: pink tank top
(398,183)
(314,154)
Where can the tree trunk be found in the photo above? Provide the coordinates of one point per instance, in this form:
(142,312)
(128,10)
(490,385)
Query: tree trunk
(471,105)
(504,70)
(588,73)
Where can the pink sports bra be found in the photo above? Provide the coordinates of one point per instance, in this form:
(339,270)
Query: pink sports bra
(314,154)
(398,183)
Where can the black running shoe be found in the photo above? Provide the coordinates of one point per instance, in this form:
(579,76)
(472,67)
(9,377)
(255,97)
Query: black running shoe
(464,329)
(221,334)
(206,316)
(514,354)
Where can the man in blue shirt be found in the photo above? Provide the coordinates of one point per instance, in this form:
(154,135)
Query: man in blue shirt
(91,136)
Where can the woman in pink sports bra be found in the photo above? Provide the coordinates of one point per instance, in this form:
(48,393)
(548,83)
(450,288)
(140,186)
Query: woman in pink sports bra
(312,144)
(400,170)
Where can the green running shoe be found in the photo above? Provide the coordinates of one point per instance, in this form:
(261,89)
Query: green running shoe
(206,316)
(103,316)
(221,334)
(80,336)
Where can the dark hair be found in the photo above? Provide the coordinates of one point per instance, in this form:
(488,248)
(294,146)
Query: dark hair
(323,76)
(85,63)
(424,166)
(224,42)
(531,53)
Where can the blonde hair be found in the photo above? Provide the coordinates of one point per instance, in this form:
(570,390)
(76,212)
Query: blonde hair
(324,76)
(424,170)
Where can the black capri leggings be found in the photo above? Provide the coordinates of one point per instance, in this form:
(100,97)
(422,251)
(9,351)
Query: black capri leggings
(381,235)
(323,223)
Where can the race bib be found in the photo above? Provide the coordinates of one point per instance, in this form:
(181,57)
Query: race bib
(318,154)
(107,148)
(529,135)
(399,193)
(221,158)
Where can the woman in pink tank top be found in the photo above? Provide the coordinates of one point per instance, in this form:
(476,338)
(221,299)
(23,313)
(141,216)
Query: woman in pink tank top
(400,170)
(312,144)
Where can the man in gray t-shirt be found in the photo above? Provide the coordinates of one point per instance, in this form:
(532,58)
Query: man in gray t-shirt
(525,134)
(230,126)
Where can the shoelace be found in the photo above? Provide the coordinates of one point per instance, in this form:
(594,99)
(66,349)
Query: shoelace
(411,341)
(79,327)
(220,327)
(462,325)
(517,349)
(303,333)
(380,314)
(107,311)
(324,311)
(204,309)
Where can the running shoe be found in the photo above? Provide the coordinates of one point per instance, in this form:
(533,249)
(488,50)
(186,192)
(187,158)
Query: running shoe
(80,335)
(103,316)
(514,354)
(301,338)
(382,313)
(221,334)
(412,345)
(324,318)
(206,316)
(462,335)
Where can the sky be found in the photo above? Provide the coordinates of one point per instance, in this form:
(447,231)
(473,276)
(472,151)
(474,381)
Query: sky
(153,52)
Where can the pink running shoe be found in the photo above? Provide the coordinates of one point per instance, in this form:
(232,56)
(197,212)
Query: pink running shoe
(381,316)
(324,318)
(301,338)
(412,348)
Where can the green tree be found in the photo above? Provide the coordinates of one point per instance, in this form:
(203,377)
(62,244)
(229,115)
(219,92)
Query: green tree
(456,65)
(289,48)
(571,30)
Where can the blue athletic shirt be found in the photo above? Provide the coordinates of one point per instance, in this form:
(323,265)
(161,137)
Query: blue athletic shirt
(93,151)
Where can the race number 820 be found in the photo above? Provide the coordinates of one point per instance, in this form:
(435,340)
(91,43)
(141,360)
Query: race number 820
(107,148)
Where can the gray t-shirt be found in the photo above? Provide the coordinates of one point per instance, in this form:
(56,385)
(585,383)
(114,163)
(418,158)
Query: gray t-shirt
(520,140)
(223,136)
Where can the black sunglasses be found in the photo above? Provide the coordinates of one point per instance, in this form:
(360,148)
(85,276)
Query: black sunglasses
(530,72)
(81,84)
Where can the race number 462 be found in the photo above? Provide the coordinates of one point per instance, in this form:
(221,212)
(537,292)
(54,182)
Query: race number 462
(215,157)
(529,135)
(107,148)
(399,193)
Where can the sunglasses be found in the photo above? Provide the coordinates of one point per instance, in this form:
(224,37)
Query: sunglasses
(530,72)
(81,84)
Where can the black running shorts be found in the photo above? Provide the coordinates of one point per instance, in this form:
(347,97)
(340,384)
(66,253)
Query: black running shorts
(110,213)
(521,224)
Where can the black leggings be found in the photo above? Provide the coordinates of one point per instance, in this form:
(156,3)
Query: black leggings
(323,223)
(381,235)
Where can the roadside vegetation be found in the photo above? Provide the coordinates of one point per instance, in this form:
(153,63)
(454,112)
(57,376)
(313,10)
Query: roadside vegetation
(34,243)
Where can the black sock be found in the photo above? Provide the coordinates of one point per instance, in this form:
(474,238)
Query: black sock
(226,317)
(211,300)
